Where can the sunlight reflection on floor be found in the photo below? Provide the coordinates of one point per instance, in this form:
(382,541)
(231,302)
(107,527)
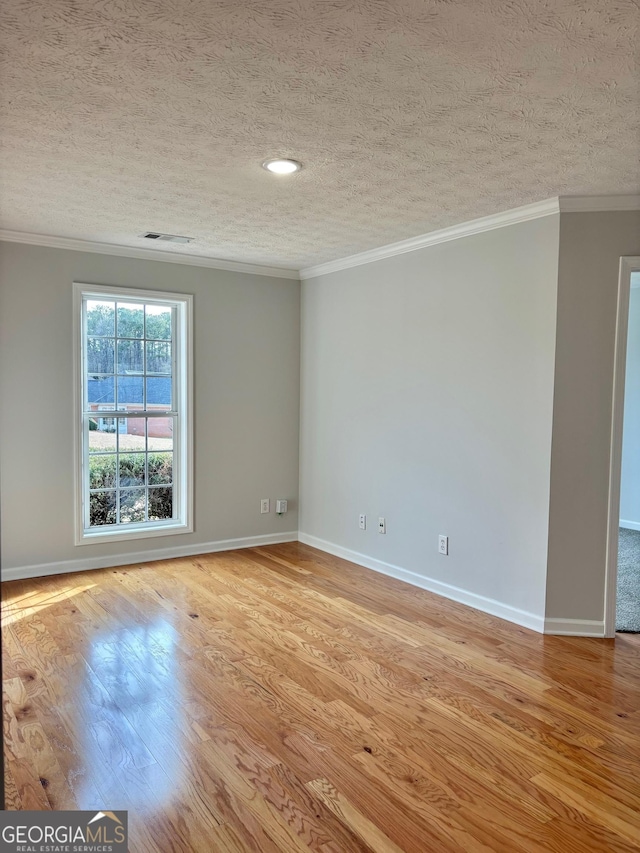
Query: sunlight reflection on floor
(17,607)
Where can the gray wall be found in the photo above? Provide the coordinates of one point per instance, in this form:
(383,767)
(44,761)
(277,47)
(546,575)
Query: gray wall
(246,399)
(462,389)
(427,392)
(630,479)
(591,245)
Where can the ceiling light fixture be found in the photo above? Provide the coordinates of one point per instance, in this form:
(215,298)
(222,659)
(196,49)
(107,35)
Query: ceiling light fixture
(282,166)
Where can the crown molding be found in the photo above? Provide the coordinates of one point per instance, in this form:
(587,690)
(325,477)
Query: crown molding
(558,204)
(444,235)
(548,207)
(143,254)
(598,203)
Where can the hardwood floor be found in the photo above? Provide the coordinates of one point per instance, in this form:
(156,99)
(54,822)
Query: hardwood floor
(279,699)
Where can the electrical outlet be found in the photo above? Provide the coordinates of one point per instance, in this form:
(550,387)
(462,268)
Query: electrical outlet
(264,505)
(281,507)
(443,545)
(363,521)
(382,525)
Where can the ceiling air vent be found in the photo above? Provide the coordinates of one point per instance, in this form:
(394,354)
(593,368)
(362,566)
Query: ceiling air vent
(166,238)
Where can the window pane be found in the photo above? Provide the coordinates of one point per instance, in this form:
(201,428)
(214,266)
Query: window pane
(158,322)
(102,472)
(160,468)
(160,434)
(100,440)
(158,357)
(130,358)
(102,508)
(130,391)
(130,320)
(131,469)
(100,317)
(126,442)
(100,355)
(159,393)
(132,503)
(131,434)
(160,503)
(101,392)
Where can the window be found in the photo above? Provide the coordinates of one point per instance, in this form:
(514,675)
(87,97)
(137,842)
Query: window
(133,385)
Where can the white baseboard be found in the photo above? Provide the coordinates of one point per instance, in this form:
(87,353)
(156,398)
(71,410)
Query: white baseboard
(561,627)
(574,627)
(83,565)
(472,599)
(630,525)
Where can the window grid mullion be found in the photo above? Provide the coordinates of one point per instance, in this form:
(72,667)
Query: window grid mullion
(117,475)
(133,413)
(146,483)
(145,404)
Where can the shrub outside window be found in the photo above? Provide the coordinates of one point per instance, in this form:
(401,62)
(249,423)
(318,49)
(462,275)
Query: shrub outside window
(133,383)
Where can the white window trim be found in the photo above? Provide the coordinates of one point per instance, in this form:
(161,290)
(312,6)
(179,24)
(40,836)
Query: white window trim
(184,346)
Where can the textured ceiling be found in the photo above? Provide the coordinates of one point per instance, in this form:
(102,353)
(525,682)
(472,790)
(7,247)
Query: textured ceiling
(409,115)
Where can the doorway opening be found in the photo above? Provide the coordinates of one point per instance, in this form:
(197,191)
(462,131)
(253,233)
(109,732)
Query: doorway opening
(622,584)
(628,575)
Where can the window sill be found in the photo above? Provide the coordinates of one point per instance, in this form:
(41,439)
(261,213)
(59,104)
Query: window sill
(103,536)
